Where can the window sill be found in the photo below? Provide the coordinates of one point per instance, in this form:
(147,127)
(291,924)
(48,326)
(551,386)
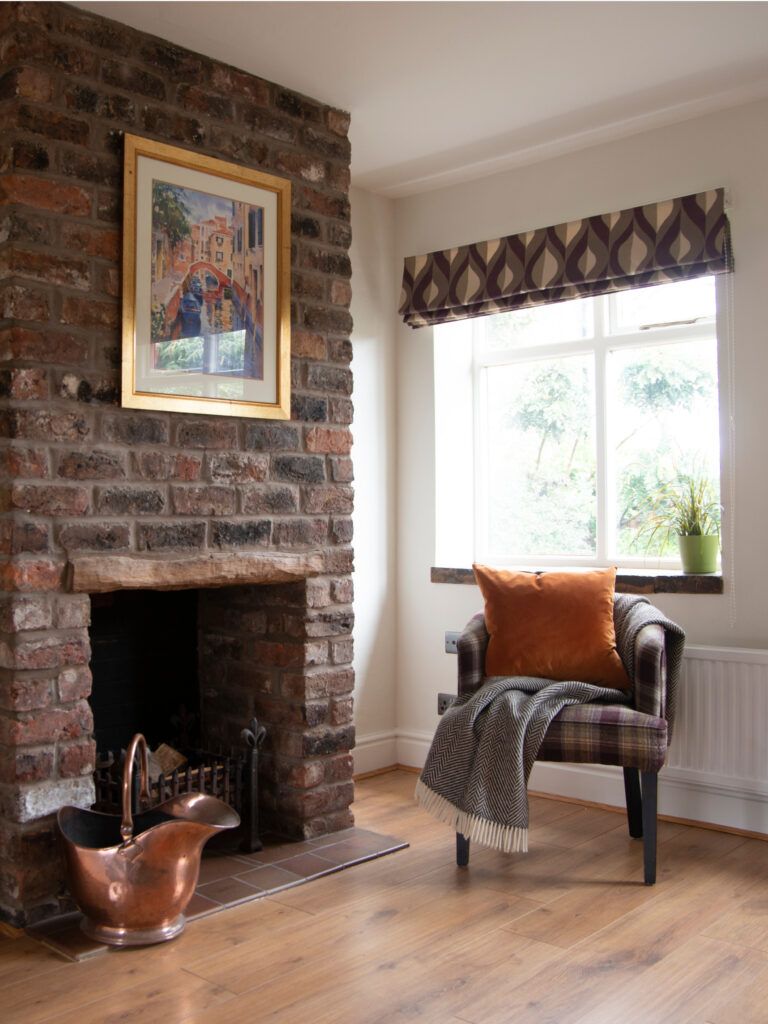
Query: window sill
(628,581)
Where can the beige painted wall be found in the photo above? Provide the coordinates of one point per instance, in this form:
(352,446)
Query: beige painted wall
(374,290)
(728,148)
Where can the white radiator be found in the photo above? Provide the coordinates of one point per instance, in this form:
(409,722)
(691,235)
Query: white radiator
(717,766)
(722,715)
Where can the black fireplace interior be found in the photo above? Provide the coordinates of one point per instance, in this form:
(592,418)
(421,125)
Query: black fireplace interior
(144,665)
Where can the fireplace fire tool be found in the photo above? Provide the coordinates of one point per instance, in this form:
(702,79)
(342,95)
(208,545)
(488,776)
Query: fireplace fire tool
(253,738)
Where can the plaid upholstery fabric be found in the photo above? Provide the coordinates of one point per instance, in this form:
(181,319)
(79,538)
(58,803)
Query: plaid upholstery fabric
(650,684)
(471,649)
(635,736)
(606,734)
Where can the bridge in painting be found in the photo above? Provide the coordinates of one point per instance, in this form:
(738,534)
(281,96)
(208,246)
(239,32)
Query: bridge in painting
(203,267)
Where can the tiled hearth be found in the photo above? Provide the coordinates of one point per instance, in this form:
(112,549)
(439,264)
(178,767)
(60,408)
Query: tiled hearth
(228,878)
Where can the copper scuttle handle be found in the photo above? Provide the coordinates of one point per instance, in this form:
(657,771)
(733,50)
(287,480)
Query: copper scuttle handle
(126,828)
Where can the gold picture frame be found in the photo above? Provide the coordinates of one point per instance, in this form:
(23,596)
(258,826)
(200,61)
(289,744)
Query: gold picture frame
(206,285)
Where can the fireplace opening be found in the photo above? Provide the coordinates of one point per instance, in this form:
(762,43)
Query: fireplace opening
(251,674)
(144,662)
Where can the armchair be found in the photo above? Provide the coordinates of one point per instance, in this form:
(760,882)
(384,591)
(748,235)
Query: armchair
(634,736)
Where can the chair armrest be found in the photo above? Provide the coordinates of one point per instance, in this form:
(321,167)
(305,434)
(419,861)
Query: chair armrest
(471,647)
(650,671)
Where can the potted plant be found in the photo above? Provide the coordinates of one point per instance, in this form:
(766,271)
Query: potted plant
(687,509)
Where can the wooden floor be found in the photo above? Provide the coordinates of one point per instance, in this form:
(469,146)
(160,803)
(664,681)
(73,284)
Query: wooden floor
(566,933)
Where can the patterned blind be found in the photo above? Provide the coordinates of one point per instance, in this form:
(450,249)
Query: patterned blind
(653,244)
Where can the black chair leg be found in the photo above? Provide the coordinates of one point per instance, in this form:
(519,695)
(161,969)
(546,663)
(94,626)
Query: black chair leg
(650,793)
(462,850)
(634,802)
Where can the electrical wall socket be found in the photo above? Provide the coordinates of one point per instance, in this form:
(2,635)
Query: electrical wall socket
(451,642)
(444,701)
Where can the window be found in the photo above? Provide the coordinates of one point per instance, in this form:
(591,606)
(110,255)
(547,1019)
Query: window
(255,228)
(571,416)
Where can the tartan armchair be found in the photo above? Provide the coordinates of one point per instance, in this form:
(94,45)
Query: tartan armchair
(633,736)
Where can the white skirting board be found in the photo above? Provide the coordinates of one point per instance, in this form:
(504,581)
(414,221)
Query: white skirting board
(375,751)
(714,801)
(717,768)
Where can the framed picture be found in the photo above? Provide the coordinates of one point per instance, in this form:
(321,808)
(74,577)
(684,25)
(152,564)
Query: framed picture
(206,285)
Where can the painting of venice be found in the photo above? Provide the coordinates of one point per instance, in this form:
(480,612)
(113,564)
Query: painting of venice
(207,284)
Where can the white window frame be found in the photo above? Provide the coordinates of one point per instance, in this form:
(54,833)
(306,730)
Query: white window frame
(460,374)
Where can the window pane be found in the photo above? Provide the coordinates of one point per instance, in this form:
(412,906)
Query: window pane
(535,325)
(663,423)
(662,304)
(541,458)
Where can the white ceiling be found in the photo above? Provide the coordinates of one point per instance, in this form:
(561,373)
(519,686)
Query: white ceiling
(444,91)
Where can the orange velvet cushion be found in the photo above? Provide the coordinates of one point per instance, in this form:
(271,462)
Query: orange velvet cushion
(557,625)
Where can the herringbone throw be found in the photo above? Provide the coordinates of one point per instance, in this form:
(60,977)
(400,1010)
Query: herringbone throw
(476,774)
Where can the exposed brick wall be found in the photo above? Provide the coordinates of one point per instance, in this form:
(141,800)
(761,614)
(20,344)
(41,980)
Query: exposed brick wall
(79,474)
(279,652)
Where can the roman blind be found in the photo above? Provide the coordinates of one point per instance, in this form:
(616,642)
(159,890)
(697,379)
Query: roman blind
(651,244)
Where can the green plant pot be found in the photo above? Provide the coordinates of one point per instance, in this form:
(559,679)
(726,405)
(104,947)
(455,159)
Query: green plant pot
(699,553)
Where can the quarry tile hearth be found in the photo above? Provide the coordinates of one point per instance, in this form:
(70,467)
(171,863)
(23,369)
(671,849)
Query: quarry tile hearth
(193,501)
(226,880)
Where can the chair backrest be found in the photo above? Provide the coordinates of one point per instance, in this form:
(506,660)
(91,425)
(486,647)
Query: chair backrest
(645,639)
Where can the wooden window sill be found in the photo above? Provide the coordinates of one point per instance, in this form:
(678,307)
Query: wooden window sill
(628,581)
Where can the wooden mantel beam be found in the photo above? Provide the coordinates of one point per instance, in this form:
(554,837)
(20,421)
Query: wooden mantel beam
(99,574)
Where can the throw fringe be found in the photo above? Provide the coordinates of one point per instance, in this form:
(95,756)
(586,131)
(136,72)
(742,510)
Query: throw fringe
(507,838)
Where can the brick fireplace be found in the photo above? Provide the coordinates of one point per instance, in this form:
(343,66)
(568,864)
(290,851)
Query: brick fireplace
(255,515)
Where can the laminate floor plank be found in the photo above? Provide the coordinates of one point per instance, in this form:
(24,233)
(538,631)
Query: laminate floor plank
(171,996)
(746,925)
(683,986)
(118,971)
(583,824)
(394,926)
(23,959)
(579,914)
(748,1006)
(546,873)
(358,989)
(613,967)
(494,967)
(543,810)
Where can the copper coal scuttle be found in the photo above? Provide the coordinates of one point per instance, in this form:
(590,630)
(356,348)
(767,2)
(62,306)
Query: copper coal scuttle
(133,876)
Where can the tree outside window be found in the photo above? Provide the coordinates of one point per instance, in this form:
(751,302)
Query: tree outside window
(582,411)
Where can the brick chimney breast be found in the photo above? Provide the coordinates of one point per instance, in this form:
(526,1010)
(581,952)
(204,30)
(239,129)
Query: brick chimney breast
(84,479)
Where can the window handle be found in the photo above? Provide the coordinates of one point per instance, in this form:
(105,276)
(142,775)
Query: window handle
(672,323)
